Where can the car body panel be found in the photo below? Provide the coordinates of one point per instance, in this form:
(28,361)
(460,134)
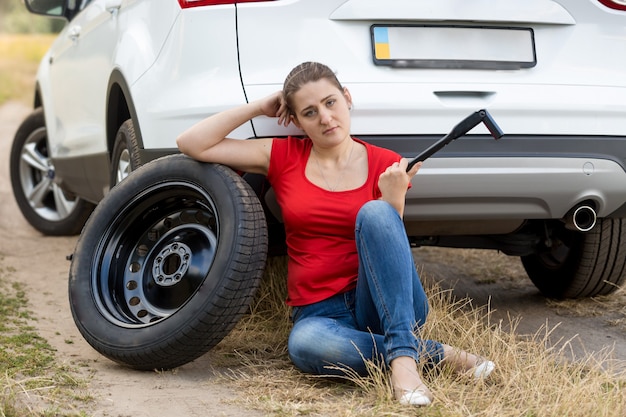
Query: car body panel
(81,60)
(557,96)
(185,94)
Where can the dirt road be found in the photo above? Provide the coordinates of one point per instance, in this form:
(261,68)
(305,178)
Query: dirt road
(195,389)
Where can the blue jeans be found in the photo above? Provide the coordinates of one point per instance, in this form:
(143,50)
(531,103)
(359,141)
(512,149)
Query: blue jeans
(376,321)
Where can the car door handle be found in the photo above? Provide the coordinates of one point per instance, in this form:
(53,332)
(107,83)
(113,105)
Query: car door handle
(74,33)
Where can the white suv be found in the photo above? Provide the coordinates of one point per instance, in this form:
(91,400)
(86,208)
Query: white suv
(125,77)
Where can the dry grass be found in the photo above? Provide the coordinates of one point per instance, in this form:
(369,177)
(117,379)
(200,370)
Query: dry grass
(532,379)
(19,59)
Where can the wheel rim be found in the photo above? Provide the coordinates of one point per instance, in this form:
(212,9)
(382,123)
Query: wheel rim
(155,255)
(38,180)
(555,256)
(123,166)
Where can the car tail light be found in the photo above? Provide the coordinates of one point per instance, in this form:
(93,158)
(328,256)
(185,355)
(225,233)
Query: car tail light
(614,4)
(195,3)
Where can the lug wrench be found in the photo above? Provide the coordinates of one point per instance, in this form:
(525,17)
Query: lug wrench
(459,130)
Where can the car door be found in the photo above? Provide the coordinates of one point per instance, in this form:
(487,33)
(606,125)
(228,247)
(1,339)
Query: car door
(80,65)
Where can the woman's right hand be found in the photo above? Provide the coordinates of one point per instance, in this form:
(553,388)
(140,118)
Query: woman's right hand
(274,105)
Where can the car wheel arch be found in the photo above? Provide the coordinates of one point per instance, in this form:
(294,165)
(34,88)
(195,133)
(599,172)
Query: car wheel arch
(120,107)
(37,97)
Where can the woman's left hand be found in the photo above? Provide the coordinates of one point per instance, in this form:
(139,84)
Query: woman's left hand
(394,182)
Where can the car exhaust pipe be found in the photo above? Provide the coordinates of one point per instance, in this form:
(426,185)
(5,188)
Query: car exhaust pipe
(582,218)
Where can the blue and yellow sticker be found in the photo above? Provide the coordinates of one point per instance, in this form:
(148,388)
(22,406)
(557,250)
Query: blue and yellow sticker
(381,43)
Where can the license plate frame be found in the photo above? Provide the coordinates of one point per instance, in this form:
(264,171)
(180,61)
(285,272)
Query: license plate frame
(453,46)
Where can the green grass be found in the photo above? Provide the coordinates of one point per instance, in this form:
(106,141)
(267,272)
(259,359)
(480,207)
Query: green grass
(32,381)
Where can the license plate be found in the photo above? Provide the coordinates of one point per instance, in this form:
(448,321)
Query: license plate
(453,47)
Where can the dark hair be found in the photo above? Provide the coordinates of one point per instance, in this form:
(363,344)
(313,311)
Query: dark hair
(305,73)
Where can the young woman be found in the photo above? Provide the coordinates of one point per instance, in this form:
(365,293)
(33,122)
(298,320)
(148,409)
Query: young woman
(352,283)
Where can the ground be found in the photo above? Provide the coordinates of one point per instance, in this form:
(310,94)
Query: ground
(197,389)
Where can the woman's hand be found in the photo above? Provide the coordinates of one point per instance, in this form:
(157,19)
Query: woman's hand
(394,182)
(207,140)
(274,105)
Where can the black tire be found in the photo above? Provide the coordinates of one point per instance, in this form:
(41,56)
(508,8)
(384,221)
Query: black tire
(44,204)
(125,157)
(168,263)
(581,264)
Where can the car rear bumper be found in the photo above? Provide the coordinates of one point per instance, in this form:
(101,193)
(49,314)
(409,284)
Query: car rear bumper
(500,188)
(517,177)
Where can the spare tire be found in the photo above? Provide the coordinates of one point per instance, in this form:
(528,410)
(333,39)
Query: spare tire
(168,263)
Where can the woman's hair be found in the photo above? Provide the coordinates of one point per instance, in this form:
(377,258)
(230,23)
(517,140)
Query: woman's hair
(305,73)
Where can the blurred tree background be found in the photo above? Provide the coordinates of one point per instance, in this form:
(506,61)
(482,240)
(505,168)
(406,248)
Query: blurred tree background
(15,18)
(24,39)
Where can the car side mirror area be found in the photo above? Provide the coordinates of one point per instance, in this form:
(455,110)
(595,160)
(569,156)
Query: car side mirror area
(52,8)
(62,9)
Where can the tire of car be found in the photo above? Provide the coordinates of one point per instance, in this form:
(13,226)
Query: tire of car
(44,204)
(579,264)
(125,157)
(168,263)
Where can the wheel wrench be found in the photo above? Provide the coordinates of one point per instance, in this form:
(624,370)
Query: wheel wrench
(459,130)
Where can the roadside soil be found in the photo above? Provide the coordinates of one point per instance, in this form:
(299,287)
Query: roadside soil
(197,389)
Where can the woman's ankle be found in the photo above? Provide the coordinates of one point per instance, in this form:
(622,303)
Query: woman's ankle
(407,384)
(404,374)
(460,360)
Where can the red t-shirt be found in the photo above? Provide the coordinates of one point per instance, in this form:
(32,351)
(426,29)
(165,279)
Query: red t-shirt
(319,224)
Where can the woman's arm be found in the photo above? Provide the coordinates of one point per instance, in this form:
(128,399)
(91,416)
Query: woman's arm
(394,183)
(207,141)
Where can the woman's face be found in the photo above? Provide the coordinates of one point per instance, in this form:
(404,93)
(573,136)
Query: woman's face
(323,111)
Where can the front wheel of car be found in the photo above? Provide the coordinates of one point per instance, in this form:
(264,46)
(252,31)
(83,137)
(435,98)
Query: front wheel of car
(168,263)
(42,201)
(577,264)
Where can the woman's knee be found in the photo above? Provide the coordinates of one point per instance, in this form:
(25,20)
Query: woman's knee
(321,346)
(380,216)
(376,209)
(304,347)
